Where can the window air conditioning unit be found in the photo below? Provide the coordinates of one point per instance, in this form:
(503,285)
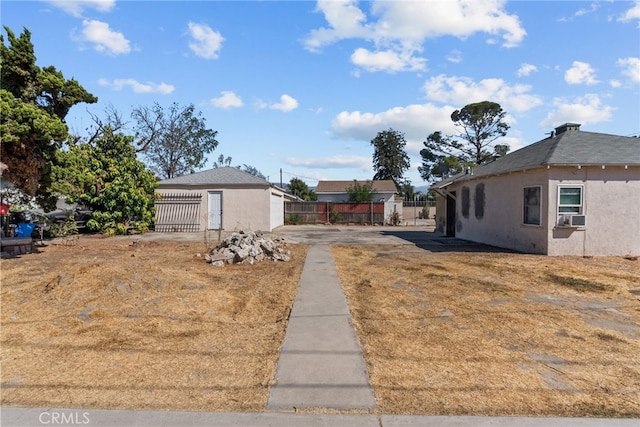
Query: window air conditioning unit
(578,220)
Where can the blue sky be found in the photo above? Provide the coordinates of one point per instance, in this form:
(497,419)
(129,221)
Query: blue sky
(304,86)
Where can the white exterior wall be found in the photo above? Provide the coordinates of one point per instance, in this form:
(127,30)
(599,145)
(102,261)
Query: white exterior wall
(277,209)
(243,208)
(246,209)
(611,206)
(335,197)
(502,223)
(391,206)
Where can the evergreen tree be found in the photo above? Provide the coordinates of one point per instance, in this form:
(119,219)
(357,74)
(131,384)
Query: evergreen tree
(481,124)
(390,160)
(34,102)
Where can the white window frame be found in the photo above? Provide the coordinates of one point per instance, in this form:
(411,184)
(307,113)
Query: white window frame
(569,208)
(524,206)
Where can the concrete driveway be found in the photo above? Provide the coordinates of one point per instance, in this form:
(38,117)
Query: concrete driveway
(413,236)
(422,237)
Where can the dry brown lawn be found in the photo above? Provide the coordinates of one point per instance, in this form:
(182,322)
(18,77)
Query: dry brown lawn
(105,323)
(496,333)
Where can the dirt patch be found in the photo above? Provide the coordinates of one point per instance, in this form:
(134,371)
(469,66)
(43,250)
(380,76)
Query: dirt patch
(111,323)
(496,333)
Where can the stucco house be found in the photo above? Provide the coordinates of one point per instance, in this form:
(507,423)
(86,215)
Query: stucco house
(383,191)
(573,193)
(224,198)
(338,191)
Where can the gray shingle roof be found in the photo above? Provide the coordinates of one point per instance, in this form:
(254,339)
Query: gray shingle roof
(572,147)
(225,175)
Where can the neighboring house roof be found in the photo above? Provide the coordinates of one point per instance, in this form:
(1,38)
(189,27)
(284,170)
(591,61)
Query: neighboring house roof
(224,175)
(379,186)
(568,146)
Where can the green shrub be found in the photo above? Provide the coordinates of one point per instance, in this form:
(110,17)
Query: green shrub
(334,215)
(64,229)
(293,219)
(394,218)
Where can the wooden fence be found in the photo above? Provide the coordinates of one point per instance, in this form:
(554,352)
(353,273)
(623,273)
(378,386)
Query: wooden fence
(178,212)
(334,213)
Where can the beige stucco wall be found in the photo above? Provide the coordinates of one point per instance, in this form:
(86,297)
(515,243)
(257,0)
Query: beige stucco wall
(409,213)
(502,222)
(243,208)
(246,209)
(611,207)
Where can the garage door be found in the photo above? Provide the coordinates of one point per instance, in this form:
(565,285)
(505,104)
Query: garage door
(277,211)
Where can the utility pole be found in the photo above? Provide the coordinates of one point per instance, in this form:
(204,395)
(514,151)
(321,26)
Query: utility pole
(281,178)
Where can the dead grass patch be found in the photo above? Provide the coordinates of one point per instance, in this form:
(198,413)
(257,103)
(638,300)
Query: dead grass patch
(581,285)
(495,333)
(106,323)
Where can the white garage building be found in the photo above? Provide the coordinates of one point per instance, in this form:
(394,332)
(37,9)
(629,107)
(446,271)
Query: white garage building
(221,198)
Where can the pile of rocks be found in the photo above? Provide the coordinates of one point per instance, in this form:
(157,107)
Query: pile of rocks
(248,248)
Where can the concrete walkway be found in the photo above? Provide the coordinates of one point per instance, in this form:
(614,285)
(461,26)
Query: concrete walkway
(321,364)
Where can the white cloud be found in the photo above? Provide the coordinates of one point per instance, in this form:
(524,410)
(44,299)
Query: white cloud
(227,100)
(104,39)
(345,20)
(402,27)
(630,68)
(631,14)
(286,104)
(387,60)
(333,162)
(455,56)
(526,69)
(587,109)
(585,11)
(426,20)
(206,42)
(77,7)
(463,90)
(416,121)
(137,87)
(580,73)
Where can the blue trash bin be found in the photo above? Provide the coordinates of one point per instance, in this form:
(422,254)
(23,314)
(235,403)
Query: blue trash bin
(24,229)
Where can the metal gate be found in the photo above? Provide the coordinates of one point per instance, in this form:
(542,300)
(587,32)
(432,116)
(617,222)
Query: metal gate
(178,212)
